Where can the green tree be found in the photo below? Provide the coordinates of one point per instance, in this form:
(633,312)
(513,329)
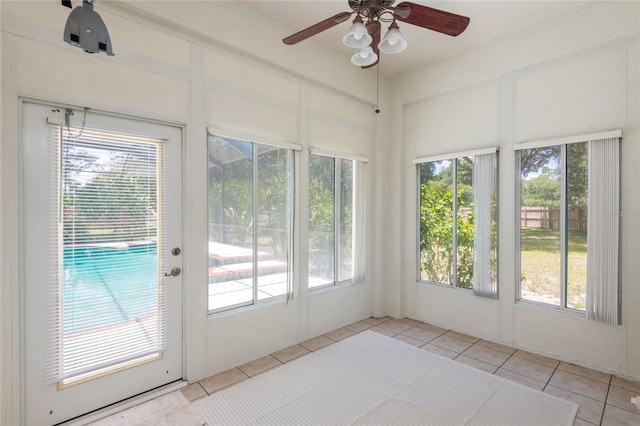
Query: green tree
(436,231)
(542,191)
(541,176)
(114,204)
(577,175)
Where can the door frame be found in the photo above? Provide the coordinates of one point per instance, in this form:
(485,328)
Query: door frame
(178,137)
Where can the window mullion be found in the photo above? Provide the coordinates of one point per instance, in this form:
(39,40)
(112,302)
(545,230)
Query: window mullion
(337,200)
(563,227)
(454,203)
(518,227)
(254,222)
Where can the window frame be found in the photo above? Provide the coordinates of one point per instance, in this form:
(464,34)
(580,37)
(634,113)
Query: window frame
(357,216)
(562,143)
(454,158)
(292,180)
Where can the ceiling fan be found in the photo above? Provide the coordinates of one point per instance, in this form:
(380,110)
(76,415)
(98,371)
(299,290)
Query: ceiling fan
(364,33)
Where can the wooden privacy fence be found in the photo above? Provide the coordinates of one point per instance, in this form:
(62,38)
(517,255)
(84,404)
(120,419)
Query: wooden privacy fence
(549,218)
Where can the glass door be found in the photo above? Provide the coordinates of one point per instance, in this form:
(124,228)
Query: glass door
(102,282)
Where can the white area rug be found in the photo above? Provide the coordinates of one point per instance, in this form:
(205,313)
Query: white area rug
(372,379)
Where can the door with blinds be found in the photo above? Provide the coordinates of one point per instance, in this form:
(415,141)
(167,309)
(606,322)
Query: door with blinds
(100,261)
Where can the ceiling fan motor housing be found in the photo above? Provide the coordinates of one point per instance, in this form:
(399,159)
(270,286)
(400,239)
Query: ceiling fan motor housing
(358,4)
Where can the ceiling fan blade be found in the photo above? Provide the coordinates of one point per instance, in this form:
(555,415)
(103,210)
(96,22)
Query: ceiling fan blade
(374,28)
(434,19)
(317,28)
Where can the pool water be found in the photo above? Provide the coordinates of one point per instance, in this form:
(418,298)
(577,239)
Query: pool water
(103,287)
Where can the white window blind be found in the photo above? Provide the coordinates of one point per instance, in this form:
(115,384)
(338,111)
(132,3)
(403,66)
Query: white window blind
(106,296)
(485,282)
(603,225)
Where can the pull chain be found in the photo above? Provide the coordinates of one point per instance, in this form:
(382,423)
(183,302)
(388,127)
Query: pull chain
(377,111)
(67,118)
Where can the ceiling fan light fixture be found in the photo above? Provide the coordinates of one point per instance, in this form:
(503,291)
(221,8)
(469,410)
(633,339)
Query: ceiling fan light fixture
(364,57)
(393,42)
(357,36)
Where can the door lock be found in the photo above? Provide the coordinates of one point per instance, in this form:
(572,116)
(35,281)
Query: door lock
(175,271)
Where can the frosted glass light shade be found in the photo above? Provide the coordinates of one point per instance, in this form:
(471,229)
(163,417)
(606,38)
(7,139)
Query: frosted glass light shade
(357,36)
(364,57)
(393,42)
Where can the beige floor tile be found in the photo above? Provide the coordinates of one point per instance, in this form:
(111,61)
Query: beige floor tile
(383,331)
(519,378)
(487,355)
(497,347)
(193,391)
(585,372)
(527,368)
(432,327)
(172,409)
(395,326)
(409,321)
(461,336)
(409,340)
(377,321)
(316,343)
(359,326)
(579,422)
(292,352)
(439,351)
(618,417)
(626,384)
(590,409)
(451,343)
(580,385)
(621,398)
(222,380)
(421,334)
(480,365)
(550,362)
(259,365)
(339,334)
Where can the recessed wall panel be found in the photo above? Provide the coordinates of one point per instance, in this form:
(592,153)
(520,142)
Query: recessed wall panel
(240,115)
(452,122)
(228,73)
(572,97)
(339,123)
(56,73)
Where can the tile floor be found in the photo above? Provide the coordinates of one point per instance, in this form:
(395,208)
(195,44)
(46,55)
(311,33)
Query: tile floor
(603,399)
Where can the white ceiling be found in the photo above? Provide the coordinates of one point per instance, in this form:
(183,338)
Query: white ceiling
(489,20)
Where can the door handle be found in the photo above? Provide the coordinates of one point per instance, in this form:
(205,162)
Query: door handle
(175,271)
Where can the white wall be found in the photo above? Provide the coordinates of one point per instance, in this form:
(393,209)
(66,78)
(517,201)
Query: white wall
(575,74)
(193,64)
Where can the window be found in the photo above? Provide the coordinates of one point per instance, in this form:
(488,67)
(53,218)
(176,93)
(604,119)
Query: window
(331,220)
(249,222)
(568,242)
(458,221)
(108,305)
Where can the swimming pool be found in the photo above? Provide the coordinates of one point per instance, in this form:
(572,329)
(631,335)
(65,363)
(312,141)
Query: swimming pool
(105,286)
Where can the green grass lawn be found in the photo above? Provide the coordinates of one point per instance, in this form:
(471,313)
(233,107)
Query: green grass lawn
(540,265)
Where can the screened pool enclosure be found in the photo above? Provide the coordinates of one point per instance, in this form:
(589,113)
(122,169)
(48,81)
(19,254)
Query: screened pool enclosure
(249,218)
